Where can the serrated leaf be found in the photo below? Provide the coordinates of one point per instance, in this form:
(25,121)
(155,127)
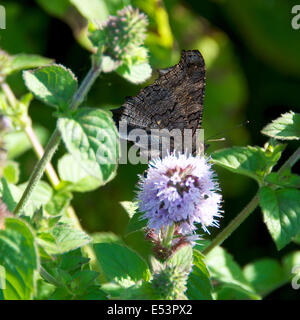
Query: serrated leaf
(182,258)
(92,139)
(286,179)
(26,61)
(199,285)
(119,262)
(41,195)
(54,85)
(286,127)
(63,238)
(137,73)
(58,202)
(281,211)
(227,272)
(265,275)
(77,178)
(254,162)
(19,258)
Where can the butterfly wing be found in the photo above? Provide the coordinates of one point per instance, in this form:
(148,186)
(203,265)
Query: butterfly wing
(173,101)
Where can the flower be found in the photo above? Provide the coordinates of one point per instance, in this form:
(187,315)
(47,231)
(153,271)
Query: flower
(180,189)
(122,36)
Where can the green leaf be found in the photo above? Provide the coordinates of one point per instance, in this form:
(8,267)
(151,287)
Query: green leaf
(254,162)
(26,61)
(281,211)
(92,10)
(119,262)
(182,258)
(286,127)
(54,85)
(106,237)
(130,207)
(18,142)
(10,194)
(199,286)
(41,195)
(227,272)
(11,172)
(265,275)
(63,238)
(77,178)
(92,139)
(137,73)
(58,202)
(136,223)
(19,258)
(286,179)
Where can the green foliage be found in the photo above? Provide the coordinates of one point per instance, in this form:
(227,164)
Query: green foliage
(73,177)
(281,210)
(92,139)
(287,127)
(54,85)
(11,172)
(227,273)
(119,262)
(18,256)
(199,285)
(62,238)
(254,162)
(18,62)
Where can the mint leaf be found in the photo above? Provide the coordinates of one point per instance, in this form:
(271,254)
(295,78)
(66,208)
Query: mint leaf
(77,179)
(19,258)
(119,262)
(54,85)
(226,271)
(92,139)
(137,73)
(265,275)
(286,127)
(286,179)
(281,211)
(63,238)
(254,162)
(199,285)
(26,61)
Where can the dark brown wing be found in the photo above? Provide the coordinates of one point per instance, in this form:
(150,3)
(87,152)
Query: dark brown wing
(173,101)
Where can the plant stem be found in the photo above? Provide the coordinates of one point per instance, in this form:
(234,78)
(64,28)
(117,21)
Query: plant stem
(250,207)
(234,224)
(37,147)
(39,151)
(290,161)
(38,171)
(54,141)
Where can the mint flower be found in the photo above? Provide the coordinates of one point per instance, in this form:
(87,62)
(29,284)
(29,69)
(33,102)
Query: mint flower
(180,189)
(122,37)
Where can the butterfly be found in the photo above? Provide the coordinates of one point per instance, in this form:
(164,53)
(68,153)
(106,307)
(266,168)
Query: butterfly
(173,101)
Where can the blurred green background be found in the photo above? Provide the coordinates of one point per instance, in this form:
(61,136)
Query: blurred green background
(253,73)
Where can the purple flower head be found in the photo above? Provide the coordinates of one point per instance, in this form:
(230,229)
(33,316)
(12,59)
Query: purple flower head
(180,189)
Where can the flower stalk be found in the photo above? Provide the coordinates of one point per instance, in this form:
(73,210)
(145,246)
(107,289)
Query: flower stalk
(248,209)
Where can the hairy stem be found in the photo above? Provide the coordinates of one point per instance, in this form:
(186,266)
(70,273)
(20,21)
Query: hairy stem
(250,207)
(55,139)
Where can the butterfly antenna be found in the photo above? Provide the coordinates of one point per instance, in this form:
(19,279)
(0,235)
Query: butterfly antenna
(213,138)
